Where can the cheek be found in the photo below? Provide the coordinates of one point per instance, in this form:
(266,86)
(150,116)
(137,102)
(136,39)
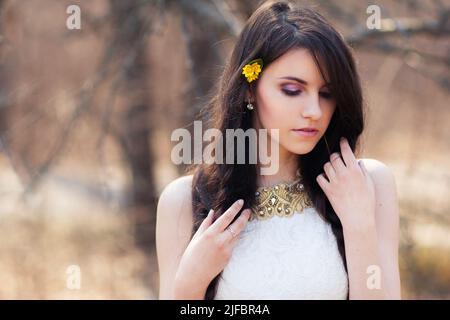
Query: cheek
(272,110)
(328,110)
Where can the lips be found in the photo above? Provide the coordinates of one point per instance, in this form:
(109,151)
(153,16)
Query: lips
(309,129)
(306,132)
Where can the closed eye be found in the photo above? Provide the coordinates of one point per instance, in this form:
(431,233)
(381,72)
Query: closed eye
(323,94)
(291,92)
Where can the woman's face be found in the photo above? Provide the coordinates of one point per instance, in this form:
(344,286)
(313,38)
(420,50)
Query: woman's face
(291,94)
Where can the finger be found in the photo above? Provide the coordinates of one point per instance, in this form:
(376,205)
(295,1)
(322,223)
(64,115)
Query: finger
(206,222)
(347,153)
(329,170)
(225,219)
(323,183)
(237,226)
(336,162)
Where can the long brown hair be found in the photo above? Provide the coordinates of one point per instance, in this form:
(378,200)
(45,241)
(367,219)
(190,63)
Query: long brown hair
(272,30)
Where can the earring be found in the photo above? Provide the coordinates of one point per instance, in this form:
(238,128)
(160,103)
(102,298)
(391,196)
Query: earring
(249,106)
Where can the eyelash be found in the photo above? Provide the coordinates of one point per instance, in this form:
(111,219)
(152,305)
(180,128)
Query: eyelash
(325,95)
(291,93)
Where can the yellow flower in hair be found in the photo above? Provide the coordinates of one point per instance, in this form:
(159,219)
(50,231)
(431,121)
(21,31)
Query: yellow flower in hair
(252,69)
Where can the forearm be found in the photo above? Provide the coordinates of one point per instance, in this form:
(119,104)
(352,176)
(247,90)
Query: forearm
(363,261)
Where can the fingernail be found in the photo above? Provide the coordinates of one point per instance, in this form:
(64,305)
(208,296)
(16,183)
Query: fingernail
(240,201)
(210,212)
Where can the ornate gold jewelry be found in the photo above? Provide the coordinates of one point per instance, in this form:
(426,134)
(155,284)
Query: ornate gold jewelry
(282,199)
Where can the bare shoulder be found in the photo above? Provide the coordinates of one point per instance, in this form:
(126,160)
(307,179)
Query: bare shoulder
(387,224)
(174,223)
(174,211)
(385,189)
(380,173)
(177,190)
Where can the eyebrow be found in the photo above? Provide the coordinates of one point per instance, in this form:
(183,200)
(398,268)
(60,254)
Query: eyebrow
(295,79)
(300,80)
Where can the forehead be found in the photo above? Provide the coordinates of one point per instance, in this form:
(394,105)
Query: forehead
(298,62)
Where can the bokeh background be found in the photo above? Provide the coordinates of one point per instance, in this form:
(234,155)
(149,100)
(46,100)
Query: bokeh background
(86,117)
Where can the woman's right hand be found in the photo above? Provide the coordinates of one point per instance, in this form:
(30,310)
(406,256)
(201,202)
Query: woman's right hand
(210,248)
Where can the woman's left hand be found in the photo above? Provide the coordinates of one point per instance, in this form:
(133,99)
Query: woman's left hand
(349,189)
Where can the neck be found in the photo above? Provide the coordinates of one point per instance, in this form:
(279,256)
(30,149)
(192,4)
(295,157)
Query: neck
(287,161)
(287,170)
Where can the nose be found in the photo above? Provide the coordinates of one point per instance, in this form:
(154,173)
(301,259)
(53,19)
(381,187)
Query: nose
(311,108)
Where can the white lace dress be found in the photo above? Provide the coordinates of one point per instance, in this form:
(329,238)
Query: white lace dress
(294,257)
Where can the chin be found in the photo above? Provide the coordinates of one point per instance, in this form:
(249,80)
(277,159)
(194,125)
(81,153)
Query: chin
(301,148)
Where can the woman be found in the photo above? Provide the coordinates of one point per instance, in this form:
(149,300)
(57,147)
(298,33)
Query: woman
(325,225)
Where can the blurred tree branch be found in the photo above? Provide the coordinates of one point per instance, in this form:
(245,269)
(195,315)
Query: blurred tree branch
(406,26)
(215,12)
(378,39)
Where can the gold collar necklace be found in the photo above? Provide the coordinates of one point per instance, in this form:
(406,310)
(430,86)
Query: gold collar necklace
(281,199)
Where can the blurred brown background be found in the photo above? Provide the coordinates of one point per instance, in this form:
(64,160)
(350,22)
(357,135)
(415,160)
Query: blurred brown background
(86,117)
